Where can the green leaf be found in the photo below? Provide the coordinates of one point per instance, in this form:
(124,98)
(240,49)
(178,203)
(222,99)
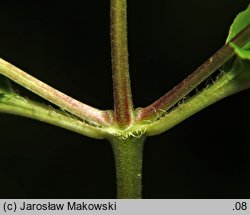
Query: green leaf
(5,85)
(238,68)
(240,22)
(241,52)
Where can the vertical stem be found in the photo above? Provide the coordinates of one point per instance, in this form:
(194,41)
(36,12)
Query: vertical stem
(123,104)
(128,159)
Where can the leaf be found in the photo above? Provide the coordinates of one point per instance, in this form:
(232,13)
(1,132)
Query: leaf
(240,22)
(241,52)
(239,67)
(5,85)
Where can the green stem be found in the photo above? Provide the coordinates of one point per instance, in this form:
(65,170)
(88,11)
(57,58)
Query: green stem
(65,102)
(229,83)
(123,104)
(164,103)
(14,104)
(128,159)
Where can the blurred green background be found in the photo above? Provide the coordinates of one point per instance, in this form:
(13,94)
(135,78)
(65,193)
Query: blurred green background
(66,44)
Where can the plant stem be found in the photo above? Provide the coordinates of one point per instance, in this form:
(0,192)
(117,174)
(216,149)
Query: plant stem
(14,104)
(128,159)
(128,152)
(65,102)
(229,83)
(123,104)
(152,111)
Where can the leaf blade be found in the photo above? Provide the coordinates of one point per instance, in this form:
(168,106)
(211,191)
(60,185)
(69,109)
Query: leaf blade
(241,52)
(240,22)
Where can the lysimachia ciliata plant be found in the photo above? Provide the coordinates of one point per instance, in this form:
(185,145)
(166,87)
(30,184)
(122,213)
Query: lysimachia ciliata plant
(127,127)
